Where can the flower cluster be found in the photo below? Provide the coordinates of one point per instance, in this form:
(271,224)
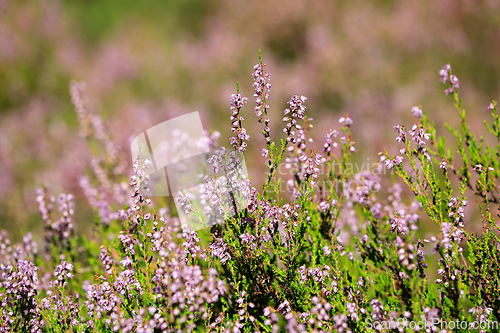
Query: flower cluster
(239,140)
(184,202)
(106,260)
(329,143)
(446,76)
(345,121)
(417,112)
(58,231)
(451,235)
(62,273)
(403,224)
(220,249)
(390,163)
(19,296)
(261,85)
(311,167)
(295,111)
(457,211)
(420,137)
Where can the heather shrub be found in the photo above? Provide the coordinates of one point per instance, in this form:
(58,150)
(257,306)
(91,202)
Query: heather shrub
(318,248)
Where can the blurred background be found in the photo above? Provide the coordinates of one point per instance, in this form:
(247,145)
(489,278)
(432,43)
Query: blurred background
(148,61)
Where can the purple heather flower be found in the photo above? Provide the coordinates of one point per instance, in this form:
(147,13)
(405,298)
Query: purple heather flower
(63,272)
(455,83)
(419,135)
(345,121)
(444,75)
(284,308)
(444,72)
(340,323)
(400,129)
(451,234)
(261,84)
(398,160)
(127,262)
(443,164)
(378,312)
(128,242)
(324,206)
(329,143)
(417,112)
(352,311)
(185,203)
(248,239)
(479,168)
(391,163)
(219,248)
(295,111)
(238,141)
(311,169)
(20,288)
(481,315)
(211,139)
(126,282)
(106,260)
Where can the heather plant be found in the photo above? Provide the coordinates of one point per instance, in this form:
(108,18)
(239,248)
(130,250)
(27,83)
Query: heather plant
(336,251)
